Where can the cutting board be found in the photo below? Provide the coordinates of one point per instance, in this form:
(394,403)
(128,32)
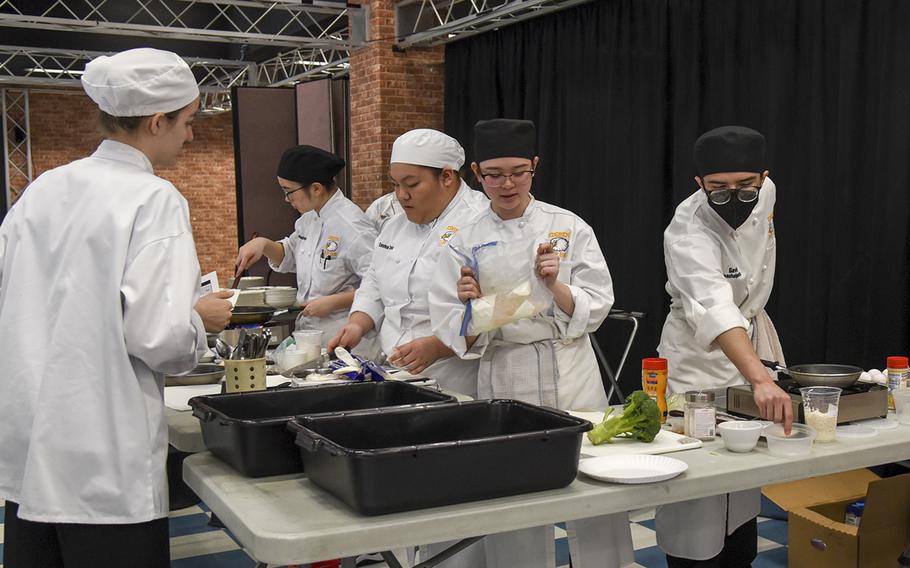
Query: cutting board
(664,443)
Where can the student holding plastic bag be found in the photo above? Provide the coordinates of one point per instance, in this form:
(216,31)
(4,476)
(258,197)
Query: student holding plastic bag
(546,358)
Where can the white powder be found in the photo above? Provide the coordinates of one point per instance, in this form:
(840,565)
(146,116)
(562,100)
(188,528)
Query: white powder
(824,423)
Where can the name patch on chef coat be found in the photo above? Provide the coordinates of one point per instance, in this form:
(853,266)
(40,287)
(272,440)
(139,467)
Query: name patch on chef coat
(560,242)
(447,234)
(733,272)
(382,245)
(330,248)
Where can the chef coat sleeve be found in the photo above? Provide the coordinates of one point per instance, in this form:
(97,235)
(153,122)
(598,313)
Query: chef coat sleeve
(360,255)
(159,291)
(591,286)
(446,310)
(289,262)
(694,269)
(368,297)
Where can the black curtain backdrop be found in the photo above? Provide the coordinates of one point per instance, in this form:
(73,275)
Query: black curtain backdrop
(620,90)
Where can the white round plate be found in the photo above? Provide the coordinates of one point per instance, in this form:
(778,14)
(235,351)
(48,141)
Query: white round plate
(629,469)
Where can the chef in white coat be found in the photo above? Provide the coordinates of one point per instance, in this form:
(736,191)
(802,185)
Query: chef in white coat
(720,252)
(330,248)
(546,359)
(382,209)
(98,284)
(393,296)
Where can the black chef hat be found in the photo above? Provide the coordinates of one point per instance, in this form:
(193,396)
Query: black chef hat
(307,164)
(729,149)
(504,138)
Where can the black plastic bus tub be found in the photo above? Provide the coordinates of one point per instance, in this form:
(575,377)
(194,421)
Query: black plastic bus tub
(393,460)
(249,430)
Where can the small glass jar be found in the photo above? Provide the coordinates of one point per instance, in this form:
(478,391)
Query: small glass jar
(700,415)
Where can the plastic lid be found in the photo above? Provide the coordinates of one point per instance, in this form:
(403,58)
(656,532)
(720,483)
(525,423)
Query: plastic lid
(654,364)
(699,396)
(897,362)
(855,431)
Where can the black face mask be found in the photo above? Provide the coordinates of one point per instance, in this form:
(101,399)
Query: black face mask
(734,212)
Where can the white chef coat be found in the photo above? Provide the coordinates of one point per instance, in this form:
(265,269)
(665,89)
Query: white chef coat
(98,284)
(582,268)
(330,251)
(394,290)
(718,279)
(603,541)
(382,209)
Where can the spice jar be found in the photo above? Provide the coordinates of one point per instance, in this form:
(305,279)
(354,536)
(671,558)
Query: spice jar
(700,415)
(898,375)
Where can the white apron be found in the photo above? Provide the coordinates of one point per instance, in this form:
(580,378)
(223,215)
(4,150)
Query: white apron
(546,360)
(718,279)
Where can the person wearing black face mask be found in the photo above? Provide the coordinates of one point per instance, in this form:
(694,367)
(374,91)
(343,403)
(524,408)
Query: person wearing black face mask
(720,255)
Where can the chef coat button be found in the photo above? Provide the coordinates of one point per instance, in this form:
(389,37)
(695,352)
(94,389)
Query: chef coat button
(755,221)
(764,267)
(521,224)
(751,280)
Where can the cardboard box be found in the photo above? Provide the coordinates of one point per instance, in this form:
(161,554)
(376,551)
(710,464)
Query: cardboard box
(817,533)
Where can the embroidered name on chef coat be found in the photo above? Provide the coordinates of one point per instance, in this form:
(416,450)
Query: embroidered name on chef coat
(560,242)
(385,246)
(447,234)
(733,272)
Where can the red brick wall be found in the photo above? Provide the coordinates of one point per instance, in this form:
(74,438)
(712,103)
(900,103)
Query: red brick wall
(64,128)
(391,93)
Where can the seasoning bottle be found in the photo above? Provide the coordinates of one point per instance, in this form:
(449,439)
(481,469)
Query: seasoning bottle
(898,376)
(700,415)
(855,512)
(654,382)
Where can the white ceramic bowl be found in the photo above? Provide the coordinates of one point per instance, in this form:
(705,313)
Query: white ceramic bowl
(740,436)
(798,443)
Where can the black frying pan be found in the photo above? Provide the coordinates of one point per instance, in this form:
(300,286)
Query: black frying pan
(819,374)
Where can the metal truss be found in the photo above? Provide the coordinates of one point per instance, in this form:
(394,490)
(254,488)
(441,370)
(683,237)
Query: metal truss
(299,65)
(321,25)
(17,145)
(433,22)
(41,67)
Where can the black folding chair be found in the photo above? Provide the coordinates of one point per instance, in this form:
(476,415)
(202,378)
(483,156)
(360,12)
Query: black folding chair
(621,315)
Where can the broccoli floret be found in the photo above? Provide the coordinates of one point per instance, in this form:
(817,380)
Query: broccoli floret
(640,419)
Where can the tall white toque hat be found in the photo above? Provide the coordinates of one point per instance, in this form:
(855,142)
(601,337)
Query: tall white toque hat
(427,147)
(140,82)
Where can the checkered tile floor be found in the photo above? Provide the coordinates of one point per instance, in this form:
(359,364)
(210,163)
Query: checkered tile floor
(195,544)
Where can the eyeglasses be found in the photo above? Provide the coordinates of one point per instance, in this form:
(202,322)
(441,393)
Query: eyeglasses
(287,194)
(745,194)
(496,180)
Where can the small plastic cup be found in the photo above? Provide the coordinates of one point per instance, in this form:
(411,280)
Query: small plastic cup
(902,405)
(820,410)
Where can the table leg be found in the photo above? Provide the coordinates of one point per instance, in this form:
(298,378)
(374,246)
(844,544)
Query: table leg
(436,560)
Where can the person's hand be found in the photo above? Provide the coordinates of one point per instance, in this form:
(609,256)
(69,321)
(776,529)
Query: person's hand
(468,288)
(417,355)
(547,265)
(215,310)
(774,404)
(348,337)
(250,253)
(319,308)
